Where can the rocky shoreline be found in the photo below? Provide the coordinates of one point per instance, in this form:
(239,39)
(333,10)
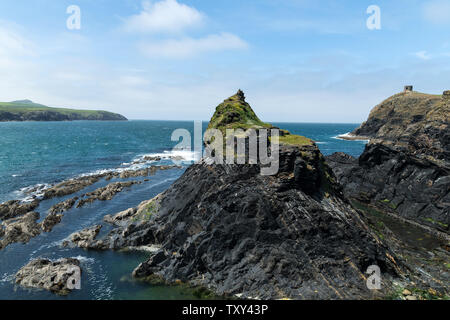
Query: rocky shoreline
(405,167)
(19,220)
(310,231)
(237,233)
(54,276)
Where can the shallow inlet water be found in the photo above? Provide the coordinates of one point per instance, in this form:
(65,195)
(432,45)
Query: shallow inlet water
(34,153)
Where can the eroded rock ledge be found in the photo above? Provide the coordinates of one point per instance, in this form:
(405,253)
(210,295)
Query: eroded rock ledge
(19,221)
(397,182)
(48,275)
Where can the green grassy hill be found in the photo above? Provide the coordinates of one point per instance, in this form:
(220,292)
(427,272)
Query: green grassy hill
(26,110)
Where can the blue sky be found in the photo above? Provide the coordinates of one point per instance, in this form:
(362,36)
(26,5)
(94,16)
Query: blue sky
(296,60)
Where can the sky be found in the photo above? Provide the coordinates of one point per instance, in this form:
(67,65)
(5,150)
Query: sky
(296,60)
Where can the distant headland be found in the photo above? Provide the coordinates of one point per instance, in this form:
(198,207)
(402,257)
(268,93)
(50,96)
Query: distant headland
(27,110)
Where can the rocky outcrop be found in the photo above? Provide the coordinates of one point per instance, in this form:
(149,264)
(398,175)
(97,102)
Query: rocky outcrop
(405,168)
(14,208)
(239,233)
(71,186)
(54,276)
(50,221)
(19,223)
(236,232)
(148,171)
(84,238)
(20,229)
(410,187)
(132,230)
(105,193)
(413,122)
(63,206)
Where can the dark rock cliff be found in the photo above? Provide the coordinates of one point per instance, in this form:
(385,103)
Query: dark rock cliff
(405,168)
(236,232)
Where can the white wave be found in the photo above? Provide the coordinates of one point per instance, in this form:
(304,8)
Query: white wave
(84,259)
(339,136)
(151,248)
(30,193)
(350,135)
(7,277)
(184,155)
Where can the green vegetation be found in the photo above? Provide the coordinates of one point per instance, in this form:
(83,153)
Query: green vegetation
(444,225)
(292,139)
(203,293)
(400,293)
(26,110)
(236,113)
(148,211)
(388,202)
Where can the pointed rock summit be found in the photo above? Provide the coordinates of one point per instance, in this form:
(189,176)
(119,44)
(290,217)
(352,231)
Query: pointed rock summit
(238,96)
(233,113)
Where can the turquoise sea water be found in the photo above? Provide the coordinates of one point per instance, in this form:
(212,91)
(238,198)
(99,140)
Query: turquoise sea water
(43,153)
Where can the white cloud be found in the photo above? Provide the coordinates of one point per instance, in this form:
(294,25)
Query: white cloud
(188,47)
(167,16)
(422,55)
(437,11)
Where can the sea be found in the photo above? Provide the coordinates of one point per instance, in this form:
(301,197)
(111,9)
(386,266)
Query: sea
(36,155)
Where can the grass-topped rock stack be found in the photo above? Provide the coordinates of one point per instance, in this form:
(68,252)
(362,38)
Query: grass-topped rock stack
(236,113)
(235,232)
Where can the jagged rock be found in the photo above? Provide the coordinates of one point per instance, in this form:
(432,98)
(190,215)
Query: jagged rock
(50,221)
(405,168)
(289,235)
(414,122)
(406,292)
(105,193)
(120,217)
(132,229)
(63,206)
(71,186)
(20,229)
(413,188)
(145,172)
(48,275)
(237,232)
(150,158)
(84,238)
(14,208)
(23,228)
